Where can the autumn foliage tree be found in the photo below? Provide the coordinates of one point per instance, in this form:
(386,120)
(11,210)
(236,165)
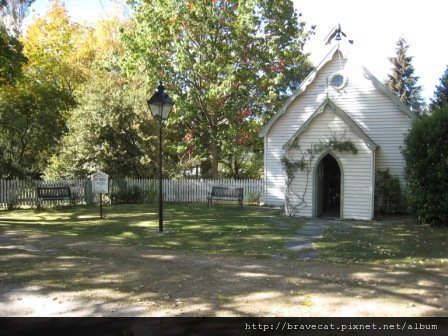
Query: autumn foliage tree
(73,96)
(40,77)
(51,51)
(228,64)
(34,107)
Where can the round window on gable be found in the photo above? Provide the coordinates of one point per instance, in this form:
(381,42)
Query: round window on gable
(338,81)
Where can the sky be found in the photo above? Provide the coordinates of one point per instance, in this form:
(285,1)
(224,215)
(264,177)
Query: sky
(375,26)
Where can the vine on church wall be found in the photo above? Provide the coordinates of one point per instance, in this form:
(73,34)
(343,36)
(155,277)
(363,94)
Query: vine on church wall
(295,201)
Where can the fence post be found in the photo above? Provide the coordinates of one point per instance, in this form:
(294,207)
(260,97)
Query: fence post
(184,191)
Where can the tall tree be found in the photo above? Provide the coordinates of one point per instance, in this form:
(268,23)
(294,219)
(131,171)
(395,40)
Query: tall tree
(13,12)
(37,109)
(51,51)
(108,131)
(403,81)
(228,64)
(34,106)
(441,93)
(30,127)
(11,57)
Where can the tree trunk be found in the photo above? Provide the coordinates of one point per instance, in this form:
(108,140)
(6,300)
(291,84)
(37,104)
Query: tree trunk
(214,152)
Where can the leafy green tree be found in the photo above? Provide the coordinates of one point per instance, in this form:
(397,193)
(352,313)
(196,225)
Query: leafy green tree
(30,126)
(109,130)
(11,57)
(227,64)
(241,155)
(402,81)
(441,93)
(65,60)
(426,155)
(35,102)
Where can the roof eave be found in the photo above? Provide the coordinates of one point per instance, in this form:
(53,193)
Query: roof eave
(302,88)
(381,87)
(341,113)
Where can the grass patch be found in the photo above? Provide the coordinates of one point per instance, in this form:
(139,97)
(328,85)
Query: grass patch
(394,241)
(231,230)
(221,229)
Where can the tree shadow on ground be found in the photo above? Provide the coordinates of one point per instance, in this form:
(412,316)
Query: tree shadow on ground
(45,275)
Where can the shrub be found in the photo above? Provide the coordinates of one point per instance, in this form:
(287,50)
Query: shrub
(254,198)
(124,194)
(426,155)
(388,194)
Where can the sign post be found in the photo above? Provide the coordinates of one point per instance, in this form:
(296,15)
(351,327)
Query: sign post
(100,185)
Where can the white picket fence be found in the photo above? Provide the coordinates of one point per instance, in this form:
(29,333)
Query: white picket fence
(22,193)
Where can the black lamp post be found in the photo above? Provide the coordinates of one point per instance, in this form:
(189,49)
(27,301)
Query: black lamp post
(160,105)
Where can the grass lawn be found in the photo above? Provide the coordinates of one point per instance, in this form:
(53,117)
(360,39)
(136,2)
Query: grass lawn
(230,230)
(215,261)
(222,229)
(393,240)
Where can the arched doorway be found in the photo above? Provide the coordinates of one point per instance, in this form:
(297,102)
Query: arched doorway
(328,188)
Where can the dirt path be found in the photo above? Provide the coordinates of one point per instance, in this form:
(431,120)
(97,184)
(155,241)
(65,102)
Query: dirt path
(54,276)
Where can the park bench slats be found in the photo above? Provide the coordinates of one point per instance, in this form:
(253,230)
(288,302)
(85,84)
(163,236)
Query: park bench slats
(53,194)
(226,194)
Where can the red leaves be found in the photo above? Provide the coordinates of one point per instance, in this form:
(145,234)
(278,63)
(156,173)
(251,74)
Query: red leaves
(278,66)
(243,114)
(188,136)
(244,139)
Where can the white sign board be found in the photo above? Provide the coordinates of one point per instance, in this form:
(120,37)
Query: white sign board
(100,183)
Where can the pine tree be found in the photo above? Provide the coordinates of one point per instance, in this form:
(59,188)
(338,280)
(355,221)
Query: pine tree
(441,93)
(402,81)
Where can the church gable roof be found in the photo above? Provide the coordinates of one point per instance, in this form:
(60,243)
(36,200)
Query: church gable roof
(302,88)
(339,112)
(312,76)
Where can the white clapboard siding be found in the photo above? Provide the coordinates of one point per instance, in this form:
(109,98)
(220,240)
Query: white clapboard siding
(285,127)
(381,119)
(356,169)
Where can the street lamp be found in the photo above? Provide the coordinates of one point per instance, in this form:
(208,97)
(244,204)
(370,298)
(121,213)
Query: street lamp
(160,105)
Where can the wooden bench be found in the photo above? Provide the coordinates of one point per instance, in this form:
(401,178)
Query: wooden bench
(226,194)
(53,194)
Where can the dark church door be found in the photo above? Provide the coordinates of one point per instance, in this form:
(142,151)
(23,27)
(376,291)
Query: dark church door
(328,188)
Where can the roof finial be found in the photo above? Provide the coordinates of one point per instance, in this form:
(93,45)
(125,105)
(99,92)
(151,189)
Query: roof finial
(337,34)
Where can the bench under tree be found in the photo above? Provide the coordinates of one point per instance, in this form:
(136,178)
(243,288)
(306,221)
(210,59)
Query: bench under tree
(226,194)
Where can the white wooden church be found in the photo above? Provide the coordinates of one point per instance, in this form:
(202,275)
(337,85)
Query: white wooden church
(337,129)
